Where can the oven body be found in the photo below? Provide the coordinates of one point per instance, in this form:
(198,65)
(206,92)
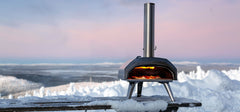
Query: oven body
(157,69)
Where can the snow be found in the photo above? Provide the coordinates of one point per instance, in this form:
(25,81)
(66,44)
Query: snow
(218,91)
(233,74)
(134,106)
(10,84)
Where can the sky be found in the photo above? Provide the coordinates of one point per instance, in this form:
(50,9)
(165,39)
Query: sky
(189,30)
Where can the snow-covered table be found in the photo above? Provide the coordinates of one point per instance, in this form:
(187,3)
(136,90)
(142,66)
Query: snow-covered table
(161,103)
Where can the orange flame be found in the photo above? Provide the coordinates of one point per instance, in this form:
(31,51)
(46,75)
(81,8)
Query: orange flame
(144,67)
(146,77)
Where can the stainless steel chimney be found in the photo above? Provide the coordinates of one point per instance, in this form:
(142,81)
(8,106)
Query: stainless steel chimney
(148,30)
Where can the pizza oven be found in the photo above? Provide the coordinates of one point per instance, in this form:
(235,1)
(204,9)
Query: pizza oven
(148,68)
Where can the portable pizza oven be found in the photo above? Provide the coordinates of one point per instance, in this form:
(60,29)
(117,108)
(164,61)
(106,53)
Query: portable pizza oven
(148,68)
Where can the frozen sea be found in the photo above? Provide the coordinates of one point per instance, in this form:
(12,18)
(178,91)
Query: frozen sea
(49,75)
(216,85)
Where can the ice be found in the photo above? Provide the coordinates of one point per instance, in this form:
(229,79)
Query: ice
(10,84)
(215,89)
(219,91)
(61,64)
(199,74)
(10,96)
(80,71)
(185,62)
(233,74)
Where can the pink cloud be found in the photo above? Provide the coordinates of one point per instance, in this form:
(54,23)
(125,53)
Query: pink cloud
(189,29)
(115,39)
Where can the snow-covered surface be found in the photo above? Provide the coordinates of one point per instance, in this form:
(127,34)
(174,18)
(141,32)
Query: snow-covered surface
(233,74)
(133,105)
(10,84)
(218,91)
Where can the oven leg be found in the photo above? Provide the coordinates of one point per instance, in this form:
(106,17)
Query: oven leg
(167,87)
(130,89)
(139,89)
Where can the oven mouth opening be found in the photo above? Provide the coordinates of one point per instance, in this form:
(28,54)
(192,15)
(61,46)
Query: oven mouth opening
(150,73)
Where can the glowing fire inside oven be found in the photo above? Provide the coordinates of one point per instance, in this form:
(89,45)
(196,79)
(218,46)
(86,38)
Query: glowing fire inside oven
(145,67)
(146,77)
(150,72)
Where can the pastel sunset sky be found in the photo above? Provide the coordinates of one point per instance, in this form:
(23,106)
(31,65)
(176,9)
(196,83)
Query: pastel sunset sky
(187,30)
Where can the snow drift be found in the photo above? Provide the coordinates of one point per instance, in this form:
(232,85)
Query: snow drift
(10,84)
(219,91)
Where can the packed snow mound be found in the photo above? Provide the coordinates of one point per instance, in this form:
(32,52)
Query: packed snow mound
(134,106)
(216,80)
(9,84)
(105,89)
(218,91)
(215,89)
(199,74)
(233,74)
